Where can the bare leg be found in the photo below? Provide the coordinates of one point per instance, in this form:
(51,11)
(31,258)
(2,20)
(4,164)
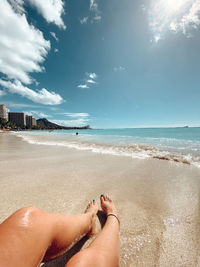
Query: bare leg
(104,250)
(30,234)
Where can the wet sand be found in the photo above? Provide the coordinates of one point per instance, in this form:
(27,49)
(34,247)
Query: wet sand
(158,201)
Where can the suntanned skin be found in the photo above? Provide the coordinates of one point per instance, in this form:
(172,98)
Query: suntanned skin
(30,236)
(104,250)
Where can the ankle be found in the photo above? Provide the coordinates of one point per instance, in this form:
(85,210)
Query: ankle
(114,215)
(112,211)
(90,217)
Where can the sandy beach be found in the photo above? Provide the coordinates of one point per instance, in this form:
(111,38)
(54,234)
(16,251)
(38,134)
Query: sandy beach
(158,201)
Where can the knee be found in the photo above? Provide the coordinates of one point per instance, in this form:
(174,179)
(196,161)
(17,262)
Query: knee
(28,213)
(30,210)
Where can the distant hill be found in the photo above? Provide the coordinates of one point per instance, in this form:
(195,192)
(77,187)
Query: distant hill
(50,125)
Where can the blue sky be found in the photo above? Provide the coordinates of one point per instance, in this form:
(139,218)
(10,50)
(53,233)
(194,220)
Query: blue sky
(104,63)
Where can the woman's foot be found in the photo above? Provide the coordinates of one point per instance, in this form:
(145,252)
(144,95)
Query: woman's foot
(92,209)
(107,205)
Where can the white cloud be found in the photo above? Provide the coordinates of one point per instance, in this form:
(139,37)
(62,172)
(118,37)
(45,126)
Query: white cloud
(84,20)
(75,115)
(96,18)
(35,113)
(190,20)
(176,16)
(120,68)
(22,48)
(54,36)
(95,13)
(93,5)
(54,109)
(17,5)
(83,86)
(20,105)
(77,123)
(51,10)
(41,96)
(94,8)
(56,50)
(2,93)
(92,75)
(91,81)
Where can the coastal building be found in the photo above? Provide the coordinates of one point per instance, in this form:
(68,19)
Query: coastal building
(18,118)
(4,111)
(29,121)
(34,123)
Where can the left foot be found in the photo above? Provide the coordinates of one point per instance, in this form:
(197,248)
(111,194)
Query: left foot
(92,209)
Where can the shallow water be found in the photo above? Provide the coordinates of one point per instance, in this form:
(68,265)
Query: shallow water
(174,144)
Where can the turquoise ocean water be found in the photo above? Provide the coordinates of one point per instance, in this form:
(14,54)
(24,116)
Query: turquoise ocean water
(175,144)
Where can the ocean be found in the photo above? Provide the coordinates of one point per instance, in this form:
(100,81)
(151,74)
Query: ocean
(174,144)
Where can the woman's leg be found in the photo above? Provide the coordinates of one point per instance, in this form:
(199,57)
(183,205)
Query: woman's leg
(30,234)
(104,250)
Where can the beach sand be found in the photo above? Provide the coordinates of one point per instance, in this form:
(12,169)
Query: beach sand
(158,201)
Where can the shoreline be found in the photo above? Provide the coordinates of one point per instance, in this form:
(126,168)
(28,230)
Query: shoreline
(158,201)
(135,150)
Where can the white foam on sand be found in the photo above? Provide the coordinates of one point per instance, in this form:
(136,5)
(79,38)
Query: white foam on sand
(136,151)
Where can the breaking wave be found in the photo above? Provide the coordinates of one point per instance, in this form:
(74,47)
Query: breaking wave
(137,151)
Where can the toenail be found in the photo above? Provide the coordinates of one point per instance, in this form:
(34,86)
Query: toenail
(93,200)
(102,195)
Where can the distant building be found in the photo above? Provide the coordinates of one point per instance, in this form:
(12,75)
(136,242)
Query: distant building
(34,123)
(18,118)
(29,121)
(4,111)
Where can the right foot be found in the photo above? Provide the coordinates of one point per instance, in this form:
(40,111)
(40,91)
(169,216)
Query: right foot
(107,205)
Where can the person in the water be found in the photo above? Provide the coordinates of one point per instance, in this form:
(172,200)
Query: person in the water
(31,236)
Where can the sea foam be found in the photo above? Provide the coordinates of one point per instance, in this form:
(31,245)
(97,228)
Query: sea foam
(137,151)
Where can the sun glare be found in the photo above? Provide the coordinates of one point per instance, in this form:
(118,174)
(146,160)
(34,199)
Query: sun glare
(167,14)
(174,5)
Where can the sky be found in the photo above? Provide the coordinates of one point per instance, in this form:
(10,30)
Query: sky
(106,63)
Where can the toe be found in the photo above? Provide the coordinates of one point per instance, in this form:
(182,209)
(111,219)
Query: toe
(102,198)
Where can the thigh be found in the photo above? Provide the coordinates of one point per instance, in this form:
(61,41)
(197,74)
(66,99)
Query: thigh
(25,237)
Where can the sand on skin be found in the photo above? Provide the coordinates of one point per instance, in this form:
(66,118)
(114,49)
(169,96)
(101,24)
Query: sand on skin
(158,201)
